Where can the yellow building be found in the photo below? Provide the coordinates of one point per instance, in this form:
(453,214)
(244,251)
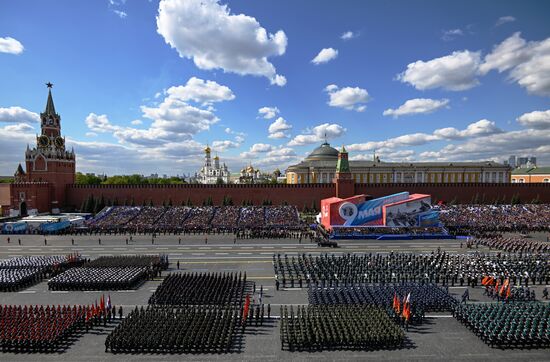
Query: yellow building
(320,165)
(531,175)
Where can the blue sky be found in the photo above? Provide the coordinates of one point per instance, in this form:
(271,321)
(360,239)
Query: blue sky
(142,86)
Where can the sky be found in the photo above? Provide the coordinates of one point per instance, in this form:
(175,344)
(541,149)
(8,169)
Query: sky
(143,86)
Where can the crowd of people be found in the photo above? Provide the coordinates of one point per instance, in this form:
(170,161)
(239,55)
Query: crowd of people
(24,271)
(509,325)
(421,298)
(201,289)
(183,219)
(437,267)
(106,278)
(350,232)
(335,327)
(187,329)
(110,273)
(513,244)
(12,280)
(481,219)
(38,329)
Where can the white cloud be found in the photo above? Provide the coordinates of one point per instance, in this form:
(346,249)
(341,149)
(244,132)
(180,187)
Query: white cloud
(417,106)
(224,145)
(536,119)
(480,128)
(18,114)
(455,72)
(451,34)
(91,134)
(504,20)
(347,97)
(268,112)
(528,63)
(174,120)
(349,35)
(318,134)
(261,147)
(279,128)
(266,155)
(100,123)
(121,14)
(495,147)
(201,91)
(325,55)
(506,55)
(137,122)
(207,32)
(11,46)
(387,156)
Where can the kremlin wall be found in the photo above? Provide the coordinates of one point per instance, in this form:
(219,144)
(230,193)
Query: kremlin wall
(48,185)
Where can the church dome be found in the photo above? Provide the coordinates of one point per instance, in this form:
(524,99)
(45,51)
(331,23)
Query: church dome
(324,153)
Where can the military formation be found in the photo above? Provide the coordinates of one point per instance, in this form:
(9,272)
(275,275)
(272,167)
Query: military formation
(514,244)
(508,325)
(22,272)
(335,327)
(40,329)
(187,329)
(392,297)
(437,267)
(110,273)
(201,289)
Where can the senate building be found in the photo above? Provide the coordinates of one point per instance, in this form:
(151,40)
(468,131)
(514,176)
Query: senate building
(319,167)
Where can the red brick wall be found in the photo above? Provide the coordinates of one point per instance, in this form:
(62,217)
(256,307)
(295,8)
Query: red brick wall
(301,194)
(464,193)
(37,195)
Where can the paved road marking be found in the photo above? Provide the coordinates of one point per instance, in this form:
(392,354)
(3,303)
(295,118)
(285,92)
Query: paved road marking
(198,254)
(244,253)
(59,291)
(14,249)
(27,292)
(222,253)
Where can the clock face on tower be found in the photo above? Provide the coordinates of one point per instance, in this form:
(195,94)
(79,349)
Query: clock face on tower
(59,142)
(43,141)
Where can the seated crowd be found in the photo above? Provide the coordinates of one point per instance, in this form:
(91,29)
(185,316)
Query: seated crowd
(479,219)
(178,219)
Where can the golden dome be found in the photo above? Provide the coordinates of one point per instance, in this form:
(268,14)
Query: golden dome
(207,149)
(216,158)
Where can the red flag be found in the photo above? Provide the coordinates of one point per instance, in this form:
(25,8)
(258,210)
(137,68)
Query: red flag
(246,307)
(508,292)
(102,304)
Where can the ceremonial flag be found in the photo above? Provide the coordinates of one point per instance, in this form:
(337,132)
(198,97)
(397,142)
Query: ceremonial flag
(497,285)
(102,303)
(508,292)
(109,306)
(395,301)
(246,307)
